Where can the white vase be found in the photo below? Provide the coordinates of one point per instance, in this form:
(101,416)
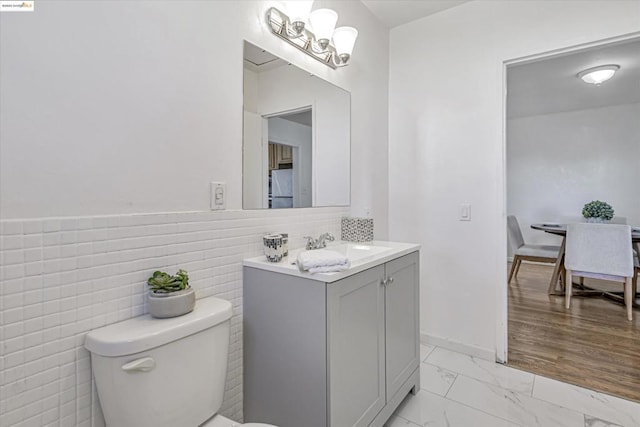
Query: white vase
(172,304)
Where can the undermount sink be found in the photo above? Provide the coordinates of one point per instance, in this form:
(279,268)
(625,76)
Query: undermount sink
(357,251)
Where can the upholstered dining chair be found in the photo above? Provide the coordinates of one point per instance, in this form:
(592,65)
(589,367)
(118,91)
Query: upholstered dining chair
(524,252)
(600,251)
(636,273)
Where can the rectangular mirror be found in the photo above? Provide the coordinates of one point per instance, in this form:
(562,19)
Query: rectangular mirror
(296,136)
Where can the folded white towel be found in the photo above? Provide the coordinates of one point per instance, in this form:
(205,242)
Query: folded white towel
(329,268)
(322,261)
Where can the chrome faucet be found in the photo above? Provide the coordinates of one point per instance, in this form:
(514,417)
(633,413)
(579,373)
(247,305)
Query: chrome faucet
(320,242)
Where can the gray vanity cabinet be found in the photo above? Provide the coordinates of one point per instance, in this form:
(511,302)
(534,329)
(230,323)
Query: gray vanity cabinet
(330,354)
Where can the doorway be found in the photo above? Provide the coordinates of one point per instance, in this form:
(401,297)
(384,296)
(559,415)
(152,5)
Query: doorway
(568,143)
(288,161)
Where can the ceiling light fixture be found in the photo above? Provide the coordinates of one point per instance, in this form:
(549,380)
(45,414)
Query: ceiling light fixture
(598,75)
(314,41)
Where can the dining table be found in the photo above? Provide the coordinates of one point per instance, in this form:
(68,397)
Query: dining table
(555,287)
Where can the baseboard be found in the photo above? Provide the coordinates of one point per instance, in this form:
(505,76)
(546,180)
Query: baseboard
(471,350)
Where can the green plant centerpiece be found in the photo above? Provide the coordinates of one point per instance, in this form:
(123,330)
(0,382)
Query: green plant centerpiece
(163,283)
(170,295)
(597,211)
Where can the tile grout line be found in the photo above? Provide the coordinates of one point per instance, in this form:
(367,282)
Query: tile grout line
(451,385)
(533,386)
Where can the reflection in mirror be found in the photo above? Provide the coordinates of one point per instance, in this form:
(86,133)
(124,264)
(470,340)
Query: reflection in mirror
(289,170)
(296,136)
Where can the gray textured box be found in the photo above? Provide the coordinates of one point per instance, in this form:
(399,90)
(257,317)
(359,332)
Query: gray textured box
(357,229)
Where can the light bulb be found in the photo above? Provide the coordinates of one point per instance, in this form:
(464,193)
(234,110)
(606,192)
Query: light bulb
(343,39)
(323,21)
(298,12)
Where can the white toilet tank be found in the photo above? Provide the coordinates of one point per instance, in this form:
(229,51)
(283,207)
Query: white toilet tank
(162,372)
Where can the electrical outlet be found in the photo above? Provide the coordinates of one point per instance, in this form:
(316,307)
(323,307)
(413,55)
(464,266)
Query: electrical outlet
(218,196)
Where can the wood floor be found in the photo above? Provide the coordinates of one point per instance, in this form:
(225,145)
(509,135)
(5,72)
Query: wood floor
(592,344)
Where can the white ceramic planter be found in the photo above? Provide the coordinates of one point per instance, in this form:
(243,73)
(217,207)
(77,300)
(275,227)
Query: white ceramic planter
(597,220)
(172,304)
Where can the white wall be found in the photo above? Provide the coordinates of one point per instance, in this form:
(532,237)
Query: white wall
(446,147)
(113,108)
(100,98)
(556,163)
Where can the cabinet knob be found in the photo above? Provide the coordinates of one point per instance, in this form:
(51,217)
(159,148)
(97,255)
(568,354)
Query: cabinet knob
(390,280)
(384,282)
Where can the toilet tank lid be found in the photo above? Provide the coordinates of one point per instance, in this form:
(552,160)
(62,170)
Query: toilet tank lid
(145,332)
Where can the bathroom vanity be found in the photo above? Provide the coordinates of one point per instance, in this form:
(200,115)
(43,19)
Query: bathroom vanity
(334,349)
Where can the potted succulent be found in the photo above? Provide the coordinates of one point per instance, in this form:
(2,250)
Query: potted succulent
(170,296)
(597,211)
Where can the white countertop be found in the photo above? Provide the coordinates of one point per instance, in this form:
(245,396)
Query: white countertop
(384,251)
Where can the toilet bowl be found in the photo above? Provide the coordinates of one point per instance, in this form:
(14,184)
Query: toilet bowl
(164,372)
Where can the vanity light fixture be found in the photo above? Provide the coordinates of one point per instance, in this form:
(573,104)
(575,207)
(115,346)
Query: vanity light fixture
(597,75)
(314,41)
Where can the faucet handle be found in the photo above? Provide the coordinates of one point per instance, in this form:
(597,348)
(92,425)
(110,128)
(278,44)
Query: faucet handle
(322,240)
(310,242)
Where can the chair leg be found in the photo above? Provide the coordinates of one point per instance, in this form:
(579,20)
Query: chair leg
(634,284)
(515,265)
(628,299)
(568,289)
(518,266)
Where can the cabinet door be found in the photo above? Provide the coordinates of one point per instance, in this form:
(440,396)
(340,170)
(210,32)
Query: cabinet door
(402,321)
(356,348)
(273,157)
(286,154)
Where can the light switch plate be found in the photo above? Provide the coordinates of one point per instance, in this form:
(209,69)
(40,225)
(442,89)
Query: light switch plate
(218,196)
(465,212)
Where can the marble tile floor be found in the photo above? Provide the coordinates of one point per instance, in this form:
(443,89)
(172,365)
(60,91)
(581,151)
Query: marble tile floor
(458,390)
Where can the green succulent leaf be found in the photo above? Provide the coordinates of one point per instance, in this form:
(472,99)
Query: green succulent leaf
(161,282)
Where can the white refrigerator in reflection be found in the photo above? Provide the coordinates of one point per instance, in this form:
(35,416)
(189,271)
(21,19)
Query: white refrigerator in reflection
(282,188)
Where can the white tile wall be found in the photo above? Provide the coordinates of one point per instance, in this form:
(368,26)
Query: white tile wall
(62,277)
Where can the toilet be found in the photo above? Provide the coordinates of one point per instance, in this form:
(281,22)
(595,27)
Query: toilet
(164,372)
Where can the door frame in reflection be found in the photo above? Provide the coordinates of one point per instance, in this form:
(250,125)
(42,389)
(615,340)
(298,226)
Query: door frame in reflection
(300,136)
